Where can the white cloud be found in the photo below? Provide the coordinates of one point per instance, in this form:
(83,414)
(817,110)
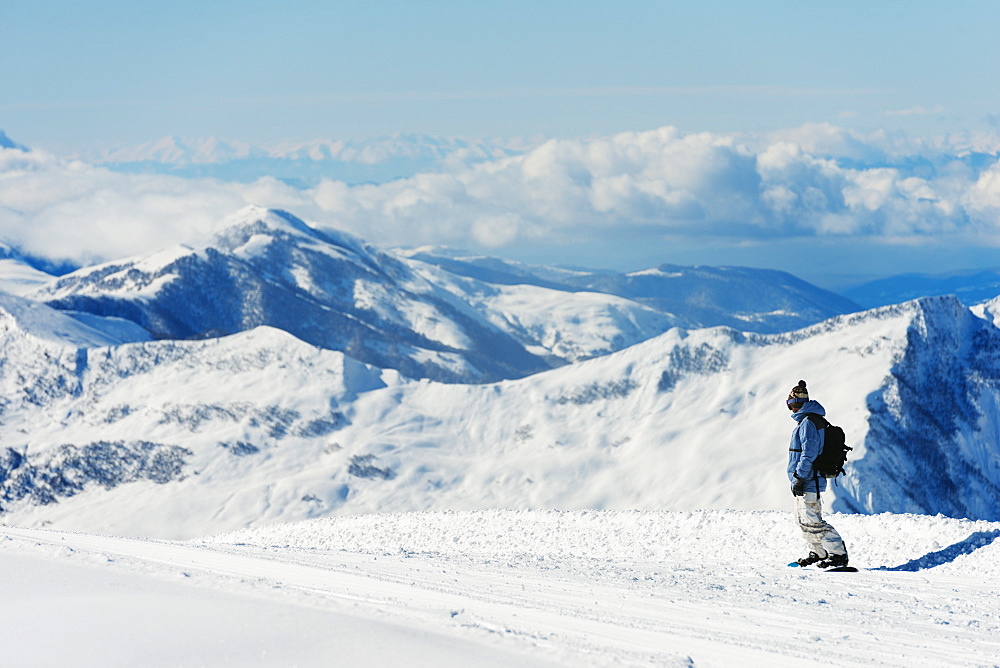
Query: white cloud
(814,180)
(70,210)
(983,197)
(918,110)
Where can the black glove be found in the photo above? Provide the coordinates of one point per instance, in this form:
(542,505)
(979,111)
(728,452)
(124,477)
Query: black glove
(799,486)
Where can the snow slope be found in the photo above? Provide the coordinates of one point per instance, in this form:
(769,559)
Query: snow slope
(555,323)
(16,275)
(755,300)
(28,318)
(257,428)
(589,588)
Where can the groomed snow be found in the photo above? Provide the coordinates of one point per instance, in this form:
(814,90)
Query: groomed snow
(524,588)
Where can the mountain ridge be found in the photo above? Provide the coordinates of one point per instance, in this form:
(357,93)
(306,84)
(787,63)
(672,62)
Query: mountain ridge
(971,286)
(279,272)
(235,418)
(267,267)
(259,427)
(301,164)
(791,303)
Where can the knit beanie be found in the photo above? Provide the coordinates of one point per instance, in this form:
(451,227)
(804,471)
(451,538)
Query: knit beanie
(799,394)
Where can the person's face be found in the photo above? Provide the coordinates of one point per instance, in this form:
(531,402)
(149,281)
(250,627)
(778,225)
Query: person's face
(794,407)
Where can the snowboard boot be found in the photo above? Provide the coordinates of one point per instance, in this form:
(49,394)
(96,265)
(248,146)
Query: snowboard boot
(833,561)
(810,560)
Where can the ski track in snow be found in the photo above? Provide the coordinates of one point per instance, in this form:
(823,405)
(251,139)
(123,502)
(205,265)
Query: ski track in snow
(581,589)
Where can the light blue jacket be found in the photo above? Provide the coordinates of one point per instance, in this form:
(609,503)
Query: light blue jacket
(806,444)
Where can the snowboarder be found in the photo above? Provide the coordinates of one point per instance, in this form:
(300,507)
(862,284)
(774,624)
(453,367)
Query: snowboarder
(826,547)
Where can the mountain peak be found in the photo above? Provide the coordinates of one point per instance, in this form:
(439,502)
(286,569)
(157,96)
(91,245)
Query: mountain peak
(251,230)
(262,217)
(253,222)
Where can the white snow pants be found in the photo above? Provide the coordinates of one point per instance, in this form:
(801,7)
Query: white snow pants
(820,535)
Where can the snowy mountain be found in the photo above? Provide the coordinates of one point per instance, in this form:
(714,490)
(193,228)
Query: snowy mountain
(331,290)
(26,322)
(755,300)
(557,324)
(16,275)
(260,427)
(282,372)
(427,320)
(969,286)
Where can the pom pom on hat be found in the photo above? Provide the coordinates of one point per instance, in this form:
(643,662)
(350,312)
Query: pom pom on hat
(799,394)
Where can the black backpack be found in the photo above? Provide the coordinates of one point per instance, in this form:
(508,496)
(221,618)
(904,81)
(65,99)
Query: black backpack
(830,462)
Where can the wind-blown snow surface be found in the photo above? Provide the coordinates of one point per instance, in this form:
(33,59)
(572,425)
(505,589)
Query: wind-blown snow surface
(207,436)
(495,588)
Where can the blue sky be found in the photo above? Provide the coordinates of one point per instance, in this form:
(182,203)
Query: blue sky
(102,72)
(854,122)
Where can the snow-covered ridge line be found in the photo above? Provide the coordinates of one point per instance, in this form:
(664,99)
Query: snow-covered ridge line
(272,429)
(24,317)
(924,305)
(177,151)
(268,426)
(459,321)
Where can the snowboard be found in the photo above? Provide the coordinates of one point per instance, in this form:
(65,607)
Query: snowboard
(835,569)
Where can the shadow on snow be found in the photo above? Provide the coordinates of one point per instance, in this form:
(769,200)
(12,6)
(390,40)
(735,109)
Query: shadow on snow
(931,559)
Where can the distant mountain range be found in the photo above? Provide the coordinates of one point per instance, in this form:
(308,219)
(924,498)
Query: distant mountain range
(972,287)
(447,319)
(377,160)
(757,300)
(301,164)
